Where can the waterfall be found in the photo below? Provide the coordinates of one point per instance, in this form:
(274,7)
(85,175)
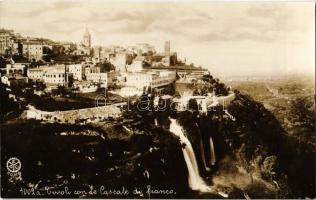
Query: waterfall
(196,182)
(213,157)
(203,156)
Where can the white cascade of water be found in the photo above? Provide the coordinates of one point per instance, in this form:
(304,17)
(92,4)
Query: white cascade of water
(196,182)
(203,156)
(213,157)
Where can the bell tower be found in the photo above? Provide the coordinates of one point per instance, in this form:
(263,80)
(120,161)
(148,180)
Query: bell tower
(87,39)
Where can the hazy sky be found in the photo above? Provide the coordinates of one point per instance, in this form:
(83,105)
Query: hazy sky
(241,38)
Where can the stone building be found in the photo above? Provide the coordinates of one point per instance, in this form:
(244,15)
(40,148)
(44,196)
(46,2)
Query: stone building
(32,50)
(6,41)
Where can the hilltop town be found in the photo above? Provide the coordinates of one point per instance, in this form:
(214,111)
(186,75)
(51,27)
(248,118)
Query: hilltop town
(157,100)
(68,76)
(73,114)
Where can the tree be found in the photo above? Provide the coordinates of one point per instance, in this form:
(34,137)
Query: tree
(60,90)
(3,62)
(47,50)
(70,81)
(196,92)
(106,66)
(29,94)
(58,49)
(149,90)
(39,85)
(47,58)
(48,54)
(6,104)
(207,78)
(221,89)
(19,58)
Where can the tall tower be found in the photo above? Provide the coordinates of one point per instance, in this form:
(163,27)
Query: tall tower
(167,48)
(167,53)
(87,39)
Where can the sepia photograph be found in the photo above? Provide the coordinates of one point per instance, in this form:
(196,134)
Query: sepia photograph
(160,99)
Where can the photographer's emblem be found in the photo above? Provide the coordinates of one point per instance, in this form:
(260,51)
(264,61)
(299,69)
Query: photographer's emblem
(14,165)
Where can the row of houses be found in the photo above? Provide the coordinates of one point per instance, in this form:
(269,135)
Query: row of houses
(31,48)
(63,74)
(134,57)
(133,67)
(58,74)
(90,75)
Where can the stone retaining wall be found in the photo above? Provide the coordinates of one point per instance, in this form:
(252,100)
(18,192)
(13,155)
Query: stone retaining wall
(85,115)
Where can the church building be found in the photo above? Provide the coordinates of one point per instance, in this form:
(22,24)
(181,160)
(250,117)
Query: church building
(85,45)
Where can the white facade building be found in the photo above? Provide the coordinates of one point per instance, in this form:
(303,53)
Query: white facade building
(153,79)
(32,50)
(98,78)
(119,61)
(35,73)
(163,78)
(76,70)
(55,77)
(6,40)
(14,68)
